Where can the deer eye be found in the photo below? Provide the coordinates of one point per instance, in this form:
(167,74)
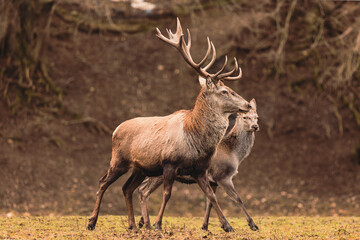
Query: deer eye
(244,117)
(224,92)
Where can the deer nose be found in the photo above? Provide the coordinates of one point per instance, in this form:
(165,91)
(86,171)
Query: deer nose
(255,127)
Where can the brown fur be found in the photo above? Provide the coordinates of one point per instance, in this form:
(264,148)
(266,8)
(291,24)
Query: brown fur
(231,151)
(180,144)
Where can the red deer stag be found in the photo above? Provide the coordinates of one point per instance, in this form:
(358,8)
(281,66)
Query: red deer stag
(232,150)
(178,144)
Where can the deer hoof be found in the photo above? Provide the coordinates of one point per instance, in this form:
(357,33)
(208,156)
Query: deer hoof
(158,226)
(132,227)
(92,223)
(227,227)
(253,226)
(90,227)
(204,227)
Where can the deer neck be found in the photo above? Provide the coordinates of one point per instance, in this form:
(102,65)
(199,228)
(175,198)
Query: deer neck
(239,141)
(205,125)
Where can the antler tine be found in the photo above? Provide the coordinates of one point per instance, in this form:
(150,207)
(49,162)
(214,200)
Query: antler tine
(174,38)
(222,69)
(170,34)
(188,44)
(167,40)
(223,75)
(179,30)
(213,56)
(187,47)
(206,54)
(235,77)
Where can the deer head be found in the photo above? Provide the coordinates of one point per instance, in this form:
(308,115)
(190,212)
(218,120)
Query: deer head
(218,95)
(249,120)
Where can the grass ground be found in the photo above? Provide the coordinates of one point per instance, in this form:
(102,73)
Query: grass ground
(114,227)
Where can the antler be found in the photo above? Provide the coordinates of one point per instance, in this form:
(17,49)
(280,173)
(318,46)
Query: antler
(177,40)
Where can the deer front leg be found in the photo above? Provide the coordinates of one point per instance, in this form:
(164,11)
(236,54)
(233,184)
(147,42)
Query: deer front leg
(204,184)
(229,188)
(208,210)
(169,178)
(129,187)
(148,186)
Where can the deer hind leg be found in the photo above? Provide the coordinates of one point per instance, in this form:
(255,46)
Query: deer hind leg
(129,187)
(113,173)
(204,184)
(148,186)
(229,188)
(169,178)
(208,210)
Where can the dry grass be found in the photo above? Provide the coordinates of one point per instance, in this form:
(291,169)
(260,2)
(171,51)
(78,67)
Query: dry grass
(114,227)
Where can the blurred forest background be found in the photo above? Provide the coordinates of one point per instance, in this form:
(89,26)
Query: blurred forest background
(72,70)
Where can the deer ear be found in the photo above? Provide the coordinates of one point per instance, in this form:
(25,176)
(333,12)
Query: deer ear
(202,81)
(207,82)
(253,103)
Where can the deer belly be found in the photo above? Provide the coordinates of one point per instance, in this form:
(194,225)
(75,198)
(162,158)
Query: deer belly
(149,168)
(192,168)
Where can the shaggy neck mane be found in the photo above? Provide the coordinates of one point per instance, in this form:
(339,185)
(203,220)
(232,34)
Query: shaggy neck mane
(194,120)
(203,124)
